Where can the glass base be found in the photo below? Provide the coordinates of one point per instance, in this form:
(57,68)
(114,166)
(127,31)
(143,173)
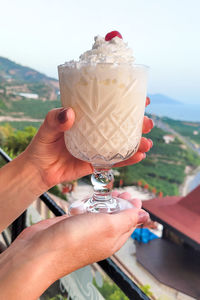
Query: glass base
(91,205)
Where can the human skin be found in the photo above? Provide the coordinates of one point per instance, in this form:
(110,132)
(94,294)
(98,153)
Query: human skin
(46,162)
(55,247)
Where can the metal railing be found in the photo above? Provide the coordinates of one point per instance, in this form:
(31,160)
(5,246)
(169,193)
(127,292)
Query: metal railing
(130,289)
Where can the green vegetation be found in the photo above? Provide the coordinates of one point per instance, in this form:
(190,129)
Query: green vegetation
(57,297)
(21,125)
(146,289)
(164,167)
(16,79)
(185,128)
(174,152)
(15,141)
(35,109)
(110,291)
(2,105)
(39,88)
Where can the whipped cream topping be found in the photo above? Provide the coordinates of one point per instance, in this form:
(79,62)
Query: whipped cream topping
(113,51)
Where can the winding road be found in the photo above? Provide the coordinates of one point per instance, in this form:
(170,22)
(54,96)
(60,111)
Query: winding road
(167,128)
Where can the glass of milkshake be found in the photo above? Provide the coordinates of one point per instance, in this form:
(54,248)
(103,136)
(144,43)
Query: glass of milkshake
(107,91)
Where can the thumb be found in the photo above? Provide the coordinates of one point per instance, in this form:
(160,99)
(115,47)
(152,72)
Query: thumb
(56,122)
(130,218)
(65,118)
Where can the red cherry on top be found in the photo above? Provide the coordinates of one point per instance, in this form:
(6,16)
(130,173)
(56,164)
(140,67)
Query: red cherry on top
(109,36)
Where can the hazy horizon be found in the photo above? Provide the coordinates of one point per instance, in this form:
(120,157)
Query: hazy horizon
(164,36)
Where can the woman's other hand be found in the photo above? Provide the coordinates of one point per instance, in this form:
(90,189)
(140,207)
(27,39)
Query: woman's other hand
(53,248)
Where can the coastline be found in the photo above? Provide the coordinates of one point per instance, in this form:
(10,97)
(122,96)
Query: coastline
(184,188)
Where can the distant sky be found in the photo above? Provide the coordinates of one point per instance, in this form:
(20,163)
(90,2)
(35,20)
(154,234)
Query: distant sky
(164,34)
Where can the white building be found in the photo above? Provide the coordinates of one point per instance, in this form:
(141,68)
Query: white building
(168,138)
(29,96)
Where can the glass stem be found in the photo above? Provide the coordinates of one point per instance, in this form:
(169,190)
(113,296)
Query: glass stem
(102,181)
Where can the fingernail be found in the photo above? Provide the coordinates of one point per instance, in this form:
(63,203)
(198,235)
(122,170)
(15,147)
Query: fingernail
(148,101)
(62,116)
(144,155)
(151,143)
(143,217)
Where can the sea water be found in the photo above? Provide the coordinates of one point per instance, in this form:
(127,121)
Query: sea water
(182,111)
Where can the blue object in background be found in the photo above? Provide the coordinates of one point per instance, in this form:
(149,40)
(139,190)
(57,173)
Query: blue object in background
(143,235)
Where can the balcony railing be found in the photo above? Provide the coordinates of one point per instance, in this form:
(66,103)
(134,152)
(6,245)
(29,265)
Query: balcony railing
(130,289)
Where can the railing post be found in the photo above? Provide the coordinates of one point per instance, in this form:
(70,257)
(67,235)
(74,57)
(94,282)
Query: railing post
(18,225)
(38,205)
(5,239)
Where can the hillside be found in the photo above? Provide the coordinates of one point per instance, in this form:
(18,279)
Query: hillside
(165,165)
(18,82)
(191,130)
(163,169)
(162,99)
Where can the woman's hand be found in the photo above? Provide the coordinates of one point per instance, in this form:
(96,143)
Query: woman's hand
(46,162)
(47,152)
(56,247)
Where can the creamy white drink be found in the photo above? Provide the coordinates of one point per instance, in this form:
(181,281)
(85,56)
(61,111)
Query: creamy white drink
(107,92)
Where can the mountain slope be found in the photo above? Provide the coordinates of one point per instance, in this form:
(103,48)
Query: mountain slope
(19,72)
(16,79)
(162,99)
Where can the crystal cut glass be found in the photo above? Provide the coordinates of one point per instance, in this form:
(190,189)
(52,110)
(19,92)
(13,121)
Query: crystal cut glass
(109,102)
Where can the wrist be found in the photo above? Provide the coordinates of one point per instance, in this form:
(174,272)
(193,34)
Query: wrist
(20,185)
(27,273)
(30,171)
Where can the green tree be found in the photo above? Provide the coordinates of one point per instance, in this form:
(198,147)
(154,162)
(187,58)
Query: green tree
(146,289)
(110,291)
(5,132)
(117,295)
(17,141)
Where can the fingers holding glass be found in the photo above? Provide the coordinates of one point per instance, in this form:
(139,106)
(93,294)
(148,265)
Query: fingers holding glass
(147,125)
(147,101)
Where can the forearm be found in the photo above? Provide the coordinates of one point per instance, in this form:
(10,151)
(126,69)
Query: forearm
(23,277)
(20,184)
